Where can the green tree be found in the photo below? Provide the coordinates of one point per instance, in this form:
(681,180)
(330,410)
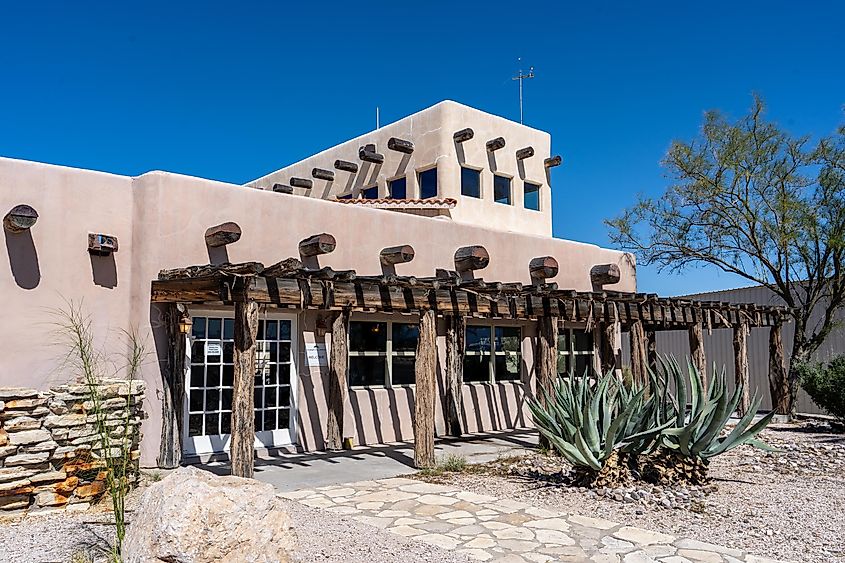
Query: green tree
(752,199)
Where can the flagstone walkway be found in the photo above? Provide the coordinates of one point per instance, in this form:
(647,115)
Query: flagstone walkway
(486,528)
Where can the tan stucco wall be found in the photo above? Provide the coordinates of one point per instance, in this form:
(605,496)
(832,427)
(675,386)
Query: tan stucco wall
(160,219)
(431,131)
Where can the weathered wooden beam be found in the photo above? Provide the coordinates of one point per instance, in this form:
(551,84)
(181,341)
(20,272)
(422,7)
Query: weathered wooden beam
(741,375)
(322,174)
(400,145)
(302,183)
(495,144)
(651,349)
(338,365)
(101,245)
(207,270)
(282,189)
(396,254)
(222,234)
(609,346)
(543,267)
(173,387)
(346,166)
(284,268)
(545,364)
(639,357)
(468,258)
(527,152)
(553,161)
(20,218)
(455,349)
(463,135)
(425,399)
(317,244)
(368,153)
(778,379)
(605,274)
(241,450)
(696,348)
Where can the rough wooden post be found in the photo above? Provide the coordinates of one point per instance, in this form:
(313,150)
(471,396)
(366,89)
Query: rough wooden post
(338,361)
(696,351)
(455,338)
(546,361)
(173,389)
(651,349)
(639,358)
(426,391)
(608,346)
(778,383)
(242,447)
(741,366)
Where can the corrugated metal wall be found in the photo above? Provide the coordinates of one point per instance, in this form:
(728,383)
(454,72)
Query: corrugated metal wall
(718,345)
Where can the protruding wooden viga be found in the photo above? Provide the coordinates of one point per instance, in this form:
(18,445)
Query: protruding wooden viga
(396,254)
(543,267)
(605,274)
(468,258)
(317,245)
(20,218)
(222,234)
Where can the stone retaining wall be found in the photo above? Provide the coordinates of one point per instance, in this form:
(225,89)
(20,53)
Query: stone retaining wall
(50,453)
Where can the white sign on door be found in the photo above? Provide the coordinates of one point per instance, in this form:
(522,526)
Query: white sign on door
(213,349)
(315,354)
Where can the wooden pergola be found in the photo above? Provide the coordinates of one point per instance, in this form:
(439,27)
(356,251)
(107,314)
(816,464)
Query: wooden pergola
(454,295)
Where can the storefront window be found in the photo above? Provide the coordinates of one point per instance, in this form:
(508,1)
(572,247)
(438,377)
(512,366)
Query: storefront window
(493,353)
(382,354)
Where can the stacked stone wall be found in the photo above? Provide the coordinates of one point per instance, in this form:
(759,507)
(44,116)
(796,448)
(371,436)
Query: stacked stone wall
(51,455)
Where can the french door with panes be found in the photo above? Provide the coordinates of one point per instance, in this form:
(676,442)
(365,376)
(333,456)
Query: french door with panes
(208,388)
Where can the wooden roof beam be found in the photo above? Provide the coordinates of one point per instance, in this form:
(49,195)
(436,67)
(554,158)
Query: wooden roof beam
(469,258)
(495,144)
(396,254)
(400,145)
(542,268)
(322,174)
(346,166)
(222,234)
(553,161)
(316,245)
(20,218)
(302,183)
(368,153)
(282,189)
(463,135)
(527,152)
(605,274)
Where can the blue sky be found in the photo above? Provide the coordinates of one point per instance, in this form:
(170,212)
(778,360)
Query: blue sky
(230,91)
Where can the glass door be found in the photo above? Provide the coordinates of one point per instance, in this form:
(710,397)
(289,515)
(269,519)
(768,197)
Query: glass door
(208,385)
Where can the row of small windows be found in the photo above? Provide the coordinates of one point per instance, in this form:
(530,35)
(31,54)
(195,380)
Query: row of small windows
(383,354)
(397,188)
(502,189)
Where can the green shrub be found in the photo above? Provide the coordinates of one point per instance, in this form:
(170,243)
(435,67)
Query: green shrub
(826,385)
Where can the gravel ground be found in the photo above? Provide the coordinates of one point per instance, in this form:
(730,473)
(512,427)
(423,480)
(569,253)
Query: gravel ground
(323,537)
(788,506)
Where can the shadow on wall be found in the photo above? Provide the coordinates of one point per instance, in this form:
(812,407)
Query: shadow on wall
(217,255)
(104,270)
(23,259)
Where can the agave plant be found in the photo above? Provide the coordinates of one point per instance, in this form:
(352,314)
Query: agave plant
(591,423)
(696,436)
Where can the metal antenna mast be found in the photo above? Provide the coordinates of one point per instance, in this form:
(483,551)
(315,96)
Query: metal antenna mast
(522,77)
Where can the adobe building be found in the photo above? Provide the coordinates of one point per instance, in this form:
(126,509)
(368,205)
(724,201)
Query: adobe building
(407,275)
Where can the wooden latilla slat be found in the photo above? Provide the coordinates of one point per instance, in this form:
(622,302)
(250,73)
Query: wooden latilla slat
(20,218)
(425,397)
(455,348)
(338,364)
(740,342)
(241,450)
(222,234)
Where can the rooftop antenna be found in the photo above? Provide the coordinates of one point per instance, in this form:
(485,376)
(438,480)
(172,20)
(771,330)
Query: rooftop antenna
(522,77)
(377,119)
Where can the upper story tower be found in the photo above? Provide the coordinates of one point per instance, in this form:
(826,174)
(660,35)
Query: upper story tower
(464,164)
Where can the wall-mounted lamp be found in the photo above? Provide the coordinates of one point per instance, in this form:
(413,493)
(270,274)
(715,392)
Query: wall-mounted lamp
(185,324)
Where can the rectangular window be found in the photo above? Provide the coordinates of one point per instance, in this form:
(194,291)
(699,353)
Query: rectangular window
(428,183)
(470,182)
(575,352)
(211,379)
(382,354)
(493,353)
(398,188)
(502,189)
(531,196)
(370,193)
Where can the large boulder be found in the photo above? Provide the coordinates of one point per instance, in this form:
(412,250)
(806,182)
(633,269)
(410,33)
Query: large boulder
(193,516)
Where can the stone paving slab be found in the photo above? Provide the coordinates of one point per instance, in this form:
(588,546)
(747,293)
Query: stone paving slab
(486,528)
